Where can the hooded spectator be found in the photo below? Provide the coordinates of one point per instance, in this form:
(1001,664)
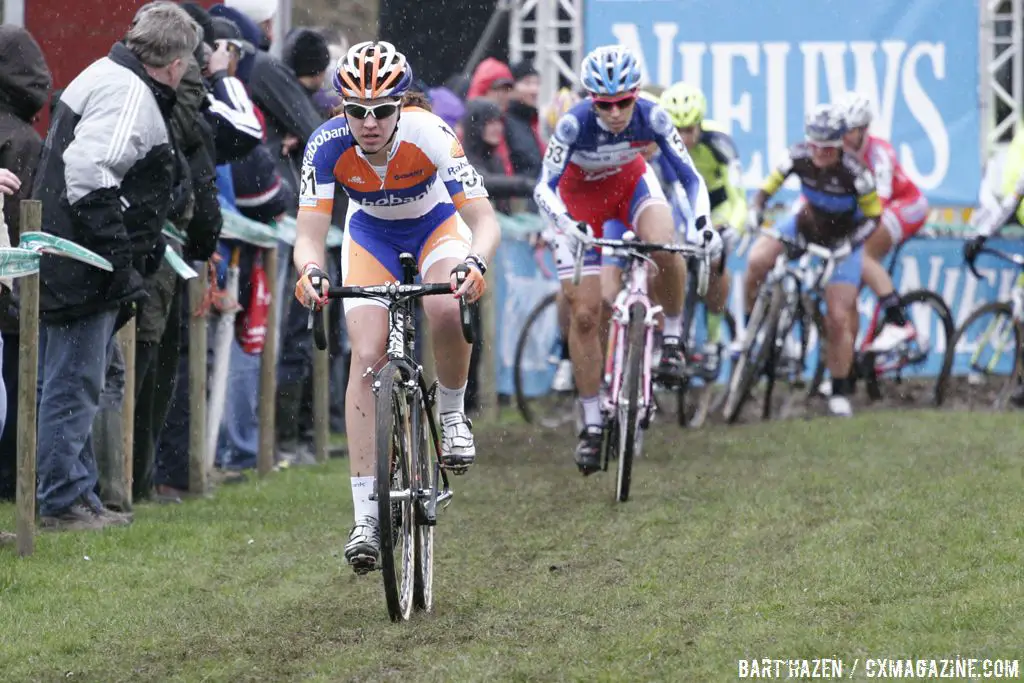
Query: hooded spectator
(262,14)
(522,122)
(448,106)
(24,88)
(492,80)
(483,136)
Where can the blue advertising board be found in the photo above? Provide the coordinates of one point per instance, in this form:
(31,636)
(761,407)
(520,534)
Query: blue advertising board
(934,264)
(762,65)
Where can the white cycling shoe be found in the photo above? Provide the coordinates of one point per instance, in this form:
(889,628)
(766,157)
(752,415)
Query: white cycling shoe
(458,448)
(840,406)
(891,337)
(363,548)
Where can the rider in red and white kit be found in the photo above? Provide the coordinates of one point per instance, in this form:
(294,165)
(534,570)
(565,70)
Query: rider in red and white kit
(904,209)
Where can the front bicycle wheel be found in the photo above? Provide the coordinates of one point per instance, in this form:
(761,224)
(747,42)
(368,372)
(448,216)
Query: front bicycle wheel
(394,492)
(759,339)
(995,341)
(698,397)
(791,388)
(425,476)
(535,373)
(628,404)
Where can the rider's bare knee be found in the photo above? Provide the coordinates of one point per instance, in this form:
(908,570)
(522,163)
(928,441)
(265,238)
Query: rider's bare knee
(585,319)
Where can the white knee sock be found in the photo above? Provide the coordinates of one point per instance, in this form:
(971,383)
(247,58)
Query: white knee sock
(673,326)
(591,411)
(451,400)
(362,487)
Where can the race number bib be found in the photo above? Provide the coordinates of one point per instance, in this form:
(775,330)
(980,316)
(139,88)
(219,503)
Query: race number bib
(472,183)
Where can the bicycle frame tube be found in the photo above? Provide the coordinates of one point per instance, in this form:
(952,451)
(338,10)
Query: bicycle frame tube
(635,291)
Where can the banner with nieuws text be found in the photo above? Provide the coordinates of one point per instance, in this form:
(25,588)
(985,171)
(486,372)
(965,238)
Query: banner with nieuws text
(762,65)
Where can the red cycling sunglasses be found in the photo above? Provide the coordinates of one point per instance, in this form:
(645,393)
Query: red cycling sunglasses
(615,103)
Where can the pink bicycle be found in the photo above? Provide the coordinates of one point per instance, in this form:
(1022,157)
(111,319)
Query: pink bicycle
(627,391)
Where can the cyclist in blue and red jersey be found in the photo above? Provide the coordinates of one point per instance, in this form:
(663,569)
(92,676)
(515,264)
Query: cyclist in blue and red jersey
(593,172)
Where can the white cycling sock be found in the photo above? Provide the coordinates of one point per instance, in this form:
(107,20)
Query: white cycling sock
(591,411)
(673,326)
(362,488)
(451,400)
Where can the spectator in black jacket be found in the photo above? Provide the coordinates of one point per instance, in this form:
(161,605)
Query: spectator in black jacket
(229,129)
(522,123)
(107,179)
(306,54)
(483,133)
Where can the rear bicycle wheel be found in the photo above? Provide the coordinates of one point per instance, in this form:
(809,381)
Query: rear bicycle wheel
(934,326)
(394,492)
(759,339)
(995,366)
(541,339)
(425,476)
(630,434)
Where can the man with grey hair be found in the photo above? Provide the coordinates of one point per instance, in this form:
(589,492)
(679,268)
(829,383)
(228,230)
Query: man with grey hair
(108,176)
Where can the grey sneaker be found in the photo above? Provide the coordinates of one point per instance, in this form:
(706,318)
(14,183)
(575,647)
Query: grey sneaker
(77,517)
(363,548)
(113,517)
(458,450)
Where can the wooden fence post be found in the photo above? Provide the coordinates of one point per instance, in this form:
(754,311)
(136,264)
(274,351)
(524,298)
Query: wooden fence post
(28,375)
(268,371)
(198,476)
(126,337)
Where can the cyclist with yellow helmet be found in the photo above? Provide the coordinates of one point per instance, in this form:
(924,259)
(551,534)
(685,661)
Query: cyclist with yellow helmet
(716,159)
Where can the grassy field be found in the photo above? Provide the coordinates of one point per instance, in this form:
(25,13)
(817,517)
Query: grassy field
(888,535)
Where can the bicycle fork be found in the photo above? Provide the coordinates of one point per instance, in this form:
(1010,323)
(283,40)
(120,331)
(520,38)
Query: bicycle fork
(615,359)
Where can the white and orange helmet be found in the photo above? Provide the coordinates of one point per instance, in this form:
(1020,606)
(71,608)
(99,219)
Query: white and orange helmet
(370,70)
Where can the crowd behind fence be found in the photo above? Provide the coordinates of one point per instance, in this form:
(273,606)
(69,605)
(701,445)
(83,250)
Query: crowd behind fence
(213,374)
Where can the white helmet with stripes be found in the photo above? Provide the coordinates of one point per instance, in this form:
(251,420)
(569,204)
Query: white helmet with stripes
(856,109)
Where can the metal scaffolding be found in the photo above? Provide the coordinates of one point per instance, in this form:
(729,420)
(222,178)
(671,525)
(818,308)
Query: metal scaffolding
(550,32)
(1002,71)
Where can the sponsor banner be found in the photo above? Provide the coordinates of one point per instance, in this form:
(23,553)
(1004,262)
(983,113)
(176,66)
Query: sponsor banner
(763,65)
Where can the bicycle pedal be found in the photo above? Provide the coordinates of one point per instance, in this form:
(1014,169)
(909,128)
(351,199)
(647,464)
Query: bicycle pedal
(456,470)
(363,564)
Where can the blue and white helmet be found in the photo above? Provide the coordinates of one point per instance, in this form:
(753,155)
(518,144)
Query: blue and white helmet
(824,126)
(610,70)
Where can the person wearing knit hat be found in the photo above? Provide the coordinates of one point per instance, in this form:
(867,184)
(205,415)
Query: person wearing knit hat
(305,51)
(261,12)
(201,17)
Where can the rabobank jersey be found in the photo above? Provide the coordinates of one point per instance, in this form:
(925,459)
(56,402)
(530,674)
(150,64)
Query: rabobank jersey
(583,149)
(426,171)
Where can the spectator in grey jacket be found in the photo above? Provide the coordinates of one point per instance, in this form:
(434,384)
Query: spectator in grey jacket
(107,179)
